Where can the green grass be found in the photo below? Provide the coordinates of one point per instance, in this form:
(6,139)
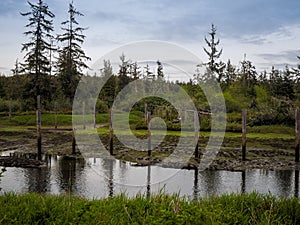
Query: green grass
(157,209)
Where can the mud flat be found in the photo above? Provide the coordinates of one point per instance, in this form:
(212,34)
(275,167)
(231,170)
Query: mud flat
(263,153)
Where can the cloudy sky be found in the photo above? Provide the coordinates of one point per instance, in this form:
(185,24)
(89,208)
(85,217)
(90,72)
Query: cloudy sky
(268,31)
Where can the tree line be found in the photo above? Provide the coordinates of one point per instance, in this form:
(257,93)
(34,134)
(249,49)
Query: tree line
(53,66)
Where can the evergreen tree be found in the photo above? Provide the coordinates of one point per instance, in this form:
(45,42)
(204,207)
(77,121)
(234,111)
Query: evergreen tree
(124,67)
(287,87)
(135,71)
(213,64)
(160,73)
(36,59)
(248,76)
(229,74)
(148,75)
(109,90)
(18,68)
(72,59)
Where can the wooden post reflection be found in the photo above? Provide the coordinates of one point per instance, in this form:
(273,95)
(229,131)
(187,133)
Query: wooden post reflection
(196,127)
(297,134)
(110,179)
(243,182)
(149,181)
(196,185)
(296,194)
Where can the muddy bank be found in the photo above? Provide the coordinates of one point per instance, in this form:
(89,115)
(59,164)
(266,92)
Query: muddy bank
(7,161)
(272,154)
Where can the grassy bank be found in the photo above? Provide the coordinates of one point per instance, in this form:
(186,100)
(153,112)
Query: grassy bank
(158,209)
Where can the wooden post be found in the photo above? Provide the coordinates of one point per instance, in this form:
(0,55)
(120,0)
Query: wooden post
(83,114)
(244,134)
(145,112)
(38,126)
(95,116)
(55,116)
(111,133)
(73,142)
(185,116)
(10,109)
(297,133)
(149,133)
(196,127)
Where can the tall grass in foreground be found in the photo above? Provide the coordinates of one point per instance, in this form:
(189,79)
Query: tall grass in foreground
(157,209)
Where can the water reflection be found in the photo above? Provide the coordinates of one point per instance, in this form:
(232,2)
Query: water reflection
(37,179)
(296,194)
(97,178)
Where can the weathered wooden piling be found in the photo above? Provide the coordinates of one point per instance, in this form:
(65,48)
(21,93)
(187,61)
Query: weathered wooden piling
(244,134)
(83,115)
(149,133)
(73,141)
(145,112)
(10,109)
(55,115)
(38,126)
(196,127)
(297,134)
(111,133)
(95,114)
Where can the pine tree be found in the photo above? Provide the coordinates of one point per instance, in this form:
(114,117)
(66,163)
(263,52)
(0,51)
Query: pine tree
(213,64)
(36,59)
(72,59)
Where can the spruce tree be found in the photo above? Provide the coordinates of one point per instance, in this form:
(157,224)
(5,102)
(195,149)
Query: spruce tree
(37,63)
(72,59)
(160,73)
(214,54)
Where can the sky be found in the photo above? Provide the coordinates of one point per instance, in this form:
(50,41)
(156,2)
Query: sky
(267,31)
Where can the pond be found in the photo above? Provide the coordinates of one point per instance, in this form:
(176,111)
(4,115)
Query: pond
(99,178)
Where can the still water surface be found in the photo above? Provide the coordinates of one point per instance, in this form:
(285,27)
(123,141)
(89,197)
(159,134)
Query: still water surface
(98,178)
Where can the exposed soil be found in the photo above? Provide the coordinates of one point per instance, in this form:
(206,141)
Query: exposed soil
(272,154)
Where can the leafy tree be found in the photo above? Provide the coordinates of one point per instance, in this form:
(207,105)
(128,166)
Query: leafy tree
(214,54)
(72,59)
(36,59)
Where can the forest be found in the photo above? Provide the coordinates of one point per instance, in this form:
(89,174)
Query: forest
(54,64)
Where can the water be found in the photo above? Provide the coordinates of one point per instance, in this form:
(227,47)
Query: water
(98,178)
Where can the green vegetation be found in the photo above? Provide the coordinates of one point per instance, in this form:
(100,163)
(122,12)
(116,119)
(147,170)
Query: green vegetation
(157,209)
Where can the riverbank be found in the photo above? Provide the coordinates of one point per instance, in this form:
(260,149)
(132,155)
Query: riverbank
(265,150)
(156,209)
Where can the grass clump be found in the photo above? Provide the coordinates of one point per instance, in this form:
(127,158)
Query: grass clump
(157,209)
